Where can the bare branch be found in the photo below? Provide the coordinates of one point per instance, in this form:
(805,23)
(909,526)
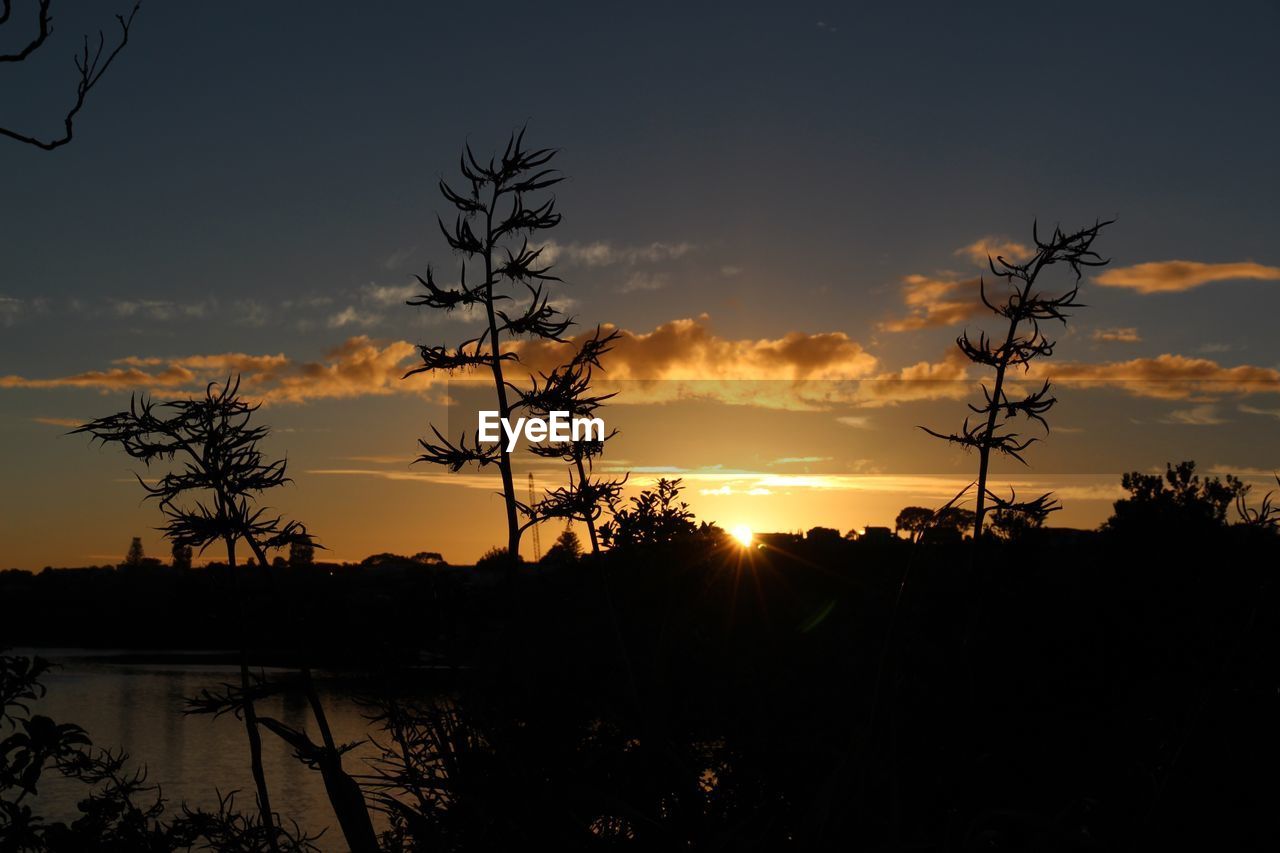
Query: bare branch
(90,63)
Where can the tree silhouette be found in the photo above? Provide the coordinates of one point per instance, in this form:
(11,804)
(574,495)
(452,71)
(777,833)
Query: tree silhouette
(491,230)
(1180,501)
(302,553)
(912,519)
(1011,524)
(90,63)
(654,517)
(1025,307)
(567,549)
(568,389)
(181,555)
(216,475)
(135,556)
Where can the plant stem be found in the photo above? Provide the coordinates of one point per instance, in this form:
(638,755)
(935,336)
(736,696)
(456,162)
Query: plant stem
(345,795)
(504,410)
(591,528)
(250,714)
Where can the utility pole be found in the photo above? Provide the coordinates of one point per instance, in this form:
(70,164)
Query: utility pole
(537,543)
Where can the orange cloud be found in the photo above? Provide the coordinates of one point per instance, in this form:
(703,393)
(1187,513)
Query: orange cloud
(943,380)
(1177,276)
(994,247)
(936,302)
(1167,377)
(681,351)
(358,367)
(687,349)
(681,359)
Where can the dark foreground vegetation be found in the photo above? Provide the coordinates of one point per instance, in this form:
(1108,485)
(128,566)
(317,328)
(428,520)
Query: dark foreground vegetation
(1113,691)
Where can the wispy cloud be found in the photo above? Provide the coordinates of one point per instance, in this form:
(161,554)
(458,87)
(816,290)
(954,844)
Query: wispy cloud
(1097,487)
(160,309)
(1177,276)
(1254,410)
(934,301)
(603,253)
(994,247)
(643,282)
(1167,376)
(1125,335)
(397,259)
(11,309)
(391,294)
(1206,415)
(358,367)
(352,316)
(250,312)
(59,422)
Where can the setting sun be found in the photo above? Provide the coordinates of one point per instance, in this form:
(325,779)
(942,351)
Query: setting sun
(743,534)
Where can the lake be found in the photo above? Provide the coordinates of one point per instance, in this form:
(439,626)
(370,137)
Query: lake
(138,707)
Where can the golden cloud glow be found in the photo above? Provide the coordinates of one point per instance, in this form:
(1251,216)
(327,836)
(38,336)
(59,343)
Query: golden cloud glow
(1177,276)
(994,247)
(681,359)
(933,302)
(686,349)
(359,366)
(1167,377)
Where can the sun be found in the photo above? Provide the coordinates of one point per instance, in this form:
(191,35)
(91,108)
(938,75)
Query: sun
(743,534)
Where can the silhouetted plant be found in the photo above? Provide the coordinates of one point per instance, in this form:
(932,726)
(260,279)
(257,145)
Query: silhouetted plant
(496,556)
(1266,515)
(569,389)
(181,555)
(302,553)
(210,493)
(121,810)
(135,555)
(1011,524)
(89,62)
(566,550)
(654,517)
(912,519)
(917,520)
(494,222)
(1180,501)
(1025,307)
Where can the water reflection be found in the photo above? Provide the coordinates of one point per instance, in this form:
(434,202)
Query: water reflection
(138,707)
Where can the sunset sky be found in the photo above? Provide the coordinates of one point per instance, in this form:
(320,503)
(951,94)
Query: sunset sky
(784,208)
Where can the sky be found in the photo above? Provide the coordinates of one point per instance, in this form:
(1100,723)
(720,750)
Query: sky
(757,195)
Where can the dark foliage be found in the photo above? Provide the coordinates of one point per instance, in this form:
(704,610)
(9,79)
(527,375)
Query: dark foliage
(569,389)
(120,810)
(656,516)
(90,62)
(496,216)
(1181,503)
(1025,306)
